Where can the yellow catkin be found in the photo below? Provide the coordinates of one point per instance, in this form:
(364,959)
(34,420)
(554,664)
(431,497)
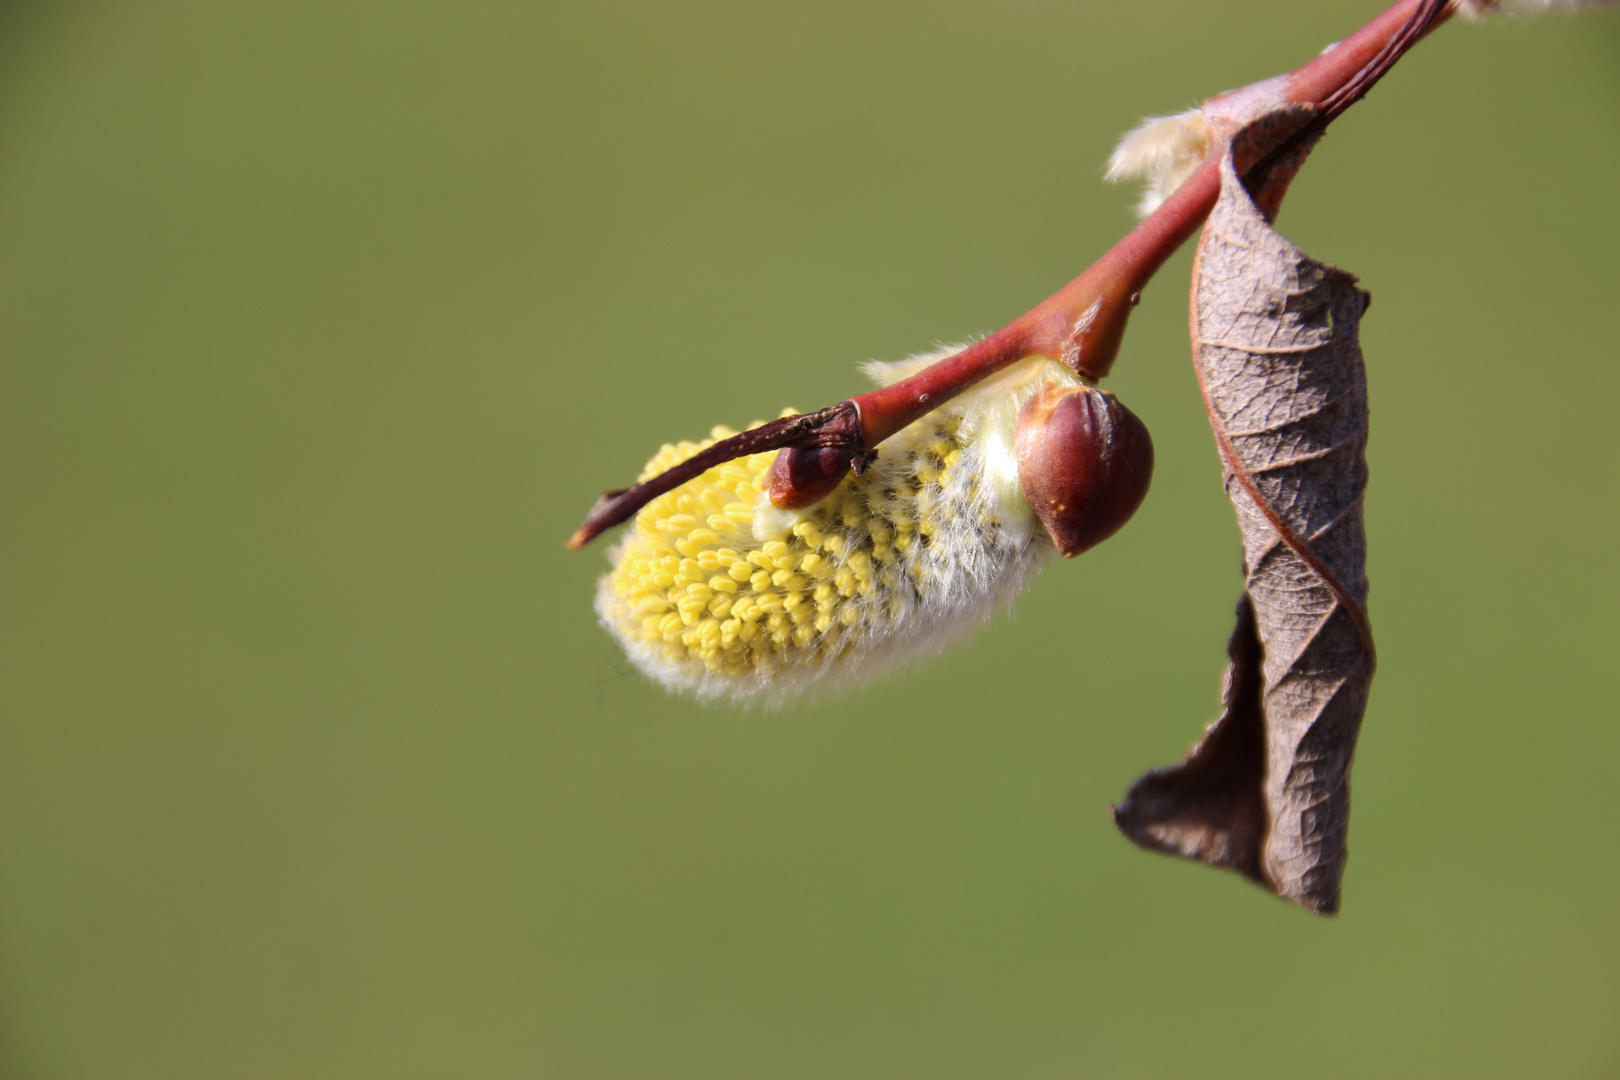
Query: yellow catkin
(696,595)
(807,585)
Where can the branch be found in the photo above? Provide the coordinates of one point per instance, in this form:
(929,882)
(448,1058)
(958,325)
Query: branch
(1081,324)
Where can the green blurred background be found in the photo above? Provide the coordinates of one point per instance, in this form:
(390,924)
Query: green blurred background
(323,324)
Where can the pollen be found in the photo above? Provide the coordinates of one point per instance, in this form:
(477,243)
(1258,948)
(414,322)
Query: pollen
(890,566)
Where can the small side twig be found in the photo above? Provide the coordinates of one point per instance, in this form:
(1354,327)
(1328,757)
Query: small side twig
(835,426)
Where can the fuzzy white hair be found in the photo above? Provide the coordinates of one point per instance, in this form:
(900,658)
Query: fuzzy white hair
(1479,9)
(1164,151)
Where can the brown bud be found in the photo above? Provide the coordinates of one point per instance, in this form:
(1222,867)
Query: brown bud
(811,468)
(804,475)
(1084,461)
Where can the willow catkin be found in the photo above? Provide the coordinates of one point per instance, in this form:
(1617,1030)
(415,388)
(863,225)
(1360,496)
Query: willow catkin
(717,593)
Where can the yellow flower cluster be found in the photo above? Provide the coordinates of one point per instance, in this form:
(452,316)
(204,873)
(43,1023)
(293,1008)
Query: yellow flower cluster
(715,591)
(693,582)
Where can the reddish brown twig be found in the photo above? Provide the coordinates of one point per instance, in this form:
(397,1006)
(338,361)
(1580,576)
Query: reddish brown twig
(836,426)
(1083,323)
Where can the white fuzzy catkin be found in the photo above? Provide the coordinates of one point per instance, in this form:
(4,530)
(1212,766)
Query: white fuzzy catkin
(716,593)
(1164,151)
(1479,9)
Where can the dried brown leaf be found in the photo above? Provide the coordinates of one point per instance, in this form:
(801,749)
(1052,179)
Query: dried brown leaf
(1210,807)
(1275,346)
